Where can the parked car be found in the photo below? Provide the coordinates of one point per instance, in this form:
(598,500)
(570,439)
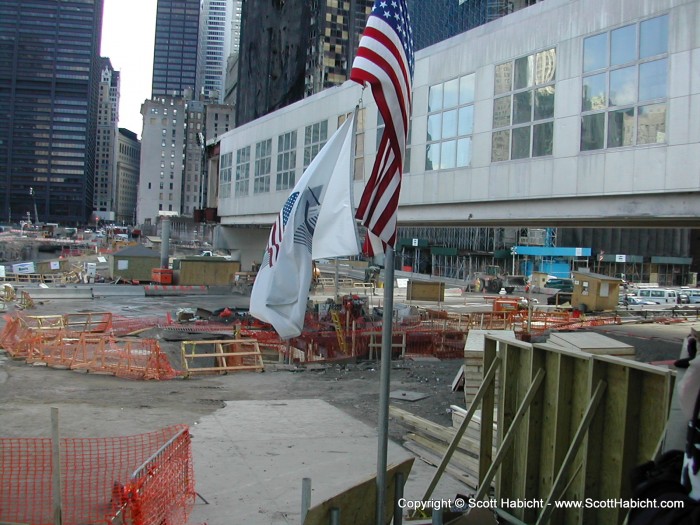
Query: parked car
(565,285)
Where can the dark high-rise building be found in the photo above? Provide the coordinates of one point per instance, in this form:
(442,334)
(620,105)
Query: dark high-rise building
(291,50)
(176,48)
(49,78)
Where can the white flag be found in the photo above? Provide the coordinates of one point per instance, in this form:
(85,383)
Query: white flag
(317,218)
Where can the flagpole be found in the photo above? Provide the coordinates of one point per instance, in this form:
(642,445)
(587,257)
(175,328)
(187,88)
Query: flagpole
(385,381)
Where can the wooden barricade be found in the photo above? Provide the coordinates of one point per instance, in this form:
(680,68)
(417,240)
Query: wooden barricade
(571,426)
(222,356)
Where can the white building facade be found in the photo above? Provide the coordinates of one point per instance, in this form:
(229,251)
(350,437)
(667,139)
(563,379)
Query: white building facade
(565,113)
(162,159)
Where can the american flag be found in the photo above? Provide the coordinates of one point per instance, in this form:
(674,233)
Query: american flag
(273,243)
(385,61)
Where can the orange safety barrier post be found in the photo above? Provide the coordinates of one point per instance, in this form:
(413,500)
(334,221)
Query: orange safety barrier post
(141,480)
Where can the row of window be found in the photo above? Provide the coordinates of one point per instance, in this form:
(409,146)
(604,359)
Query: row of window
(624,93)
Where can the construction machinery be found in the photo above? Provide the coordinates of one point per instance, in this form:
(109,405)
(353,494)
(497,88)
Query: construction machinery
(492,280)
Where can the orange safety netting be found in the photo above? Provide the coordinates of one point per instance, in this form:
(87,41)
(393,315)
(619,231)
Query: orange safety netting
(50,344)
(146,479)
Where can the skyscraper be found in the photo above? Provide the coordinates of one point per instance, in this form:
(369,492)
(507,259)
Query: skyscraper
(176,48)
(127,181)
(293,49)
(215,38)
(105,157)
(49,78)
(439,20)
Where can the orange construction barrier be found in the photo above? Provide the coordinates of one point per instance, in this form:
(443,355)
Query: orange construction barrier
(46,341)
(141,480)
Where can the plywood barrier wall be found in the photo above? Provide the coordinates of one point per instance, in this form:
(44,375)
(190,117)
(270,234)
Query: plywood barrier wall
(570,426)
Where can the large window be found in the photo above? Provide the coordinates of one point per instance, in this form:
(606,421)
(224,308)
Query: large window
(625,86)
(523,107)
(315,137)
(450,124)
(359,159)
(242,171)
(263,161)
(225,170)
(286,160)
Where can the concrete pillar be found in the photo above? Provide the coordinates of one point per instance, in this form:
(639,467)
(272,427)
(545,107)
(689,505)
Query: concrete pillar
(164,241)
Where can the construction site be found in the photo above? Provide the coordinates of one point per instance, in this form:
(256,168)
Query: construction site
(147,403)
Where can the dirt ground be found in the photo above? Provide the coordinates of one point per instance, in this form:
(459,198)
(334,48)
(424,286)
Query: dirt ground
(94,405)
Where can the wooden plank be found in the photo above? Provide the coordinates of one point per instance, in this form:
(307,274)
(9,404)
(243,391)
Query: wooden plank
(578,439)
(444,435)
(510,434)
(468,463)
(506,411)
(655,393)
(613,473)
(488,405)
(488,380)
(357,504)
(593,447)
(433,459)
(532,436)
(548,460)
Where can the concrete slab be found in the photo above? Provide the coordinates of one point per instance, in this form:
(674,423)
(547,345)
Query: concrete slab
(126,290)
(251,456)
(69,292)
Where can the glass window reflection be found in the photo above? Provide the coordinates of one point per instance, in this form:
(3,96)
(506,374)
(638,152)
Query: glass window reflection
(501,112)
(435,98)
(500,145)
(594,92)
(523,72)
(503,78)
(544,103)
(522,107)
(466,89)
(542,139)
(466,120)
(449,124)
(621,128)
(623,86)
(432,157)
(434,126)
(450,95)
(595,52)
(448,152)
(652,80)
(464,152)
(592,132)
(521,143)
(653,37)
(623,45)
(651,128)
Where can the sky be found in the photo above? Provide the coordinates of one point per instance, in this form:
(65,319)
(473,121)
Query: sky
(128,34)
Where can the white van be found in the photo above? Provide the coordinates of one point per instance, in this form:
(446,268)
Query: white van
(658,295)
(693,295)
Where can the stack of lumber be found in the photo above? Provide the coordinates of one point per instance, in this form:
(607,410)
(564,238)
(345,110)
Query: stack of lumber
(429,441)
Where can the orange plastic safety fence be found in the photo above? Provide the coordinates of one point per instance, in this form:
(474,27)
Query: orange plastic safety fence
(92,352)
(146,479)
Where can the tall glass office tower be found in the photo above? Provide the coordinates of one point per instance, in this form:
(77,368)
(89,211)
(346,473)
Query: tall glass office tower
(176,48)
(49,78)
